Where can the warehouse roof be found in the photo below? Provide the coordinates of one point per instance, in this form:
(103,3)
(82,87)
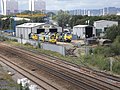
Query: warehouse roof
(16,18)
(104,21)
(29,25)
(82,26)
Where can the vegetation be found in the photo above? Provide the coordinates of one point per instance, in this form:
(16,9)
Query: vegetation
(82,20)
(112,32)
(102,54)
(63,18)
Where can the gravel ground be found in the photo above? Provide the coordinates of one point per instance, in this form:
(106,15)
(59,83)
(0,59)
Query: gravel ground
(4,84)
(6,81)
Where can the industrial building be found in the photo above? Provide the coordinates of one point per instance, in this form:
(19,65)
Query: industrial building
(9,7)
(84,31)
(102,25)
(37,5)
(26,29)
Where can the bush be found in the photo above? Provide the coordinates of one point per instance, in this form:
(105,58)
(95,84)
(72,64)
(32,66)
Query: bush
(103,50)
(116,67)
(27,44)
(116,46)
(112,32)
(98,61)
(2,38)
(14,40)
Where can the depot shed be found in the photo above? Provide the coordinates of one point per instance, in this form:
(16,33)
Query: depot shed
(102,25)
(84,31)
(24,30)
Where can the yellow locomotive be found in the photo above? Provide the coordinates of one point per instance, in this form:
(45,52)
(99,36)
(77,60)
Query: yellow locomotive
(34,36)
(67,37)
(53,37)
(49,37)
(64,37)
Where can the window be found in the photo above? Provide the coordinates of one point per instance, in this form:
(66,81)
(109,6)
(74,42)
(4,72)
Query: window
(98,31)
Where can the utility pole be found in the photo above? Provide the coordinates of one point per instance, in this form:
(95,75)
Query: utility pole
(31,14)
(111,63)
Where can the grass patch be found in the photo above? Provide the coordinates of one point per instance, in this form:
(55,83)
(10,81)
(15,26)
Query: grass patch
(98,61)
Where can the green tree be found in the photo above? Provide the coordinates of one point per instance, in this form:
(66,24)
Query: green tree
(112,32)
(63,18)
(116,46)
(38,19)
(50,14)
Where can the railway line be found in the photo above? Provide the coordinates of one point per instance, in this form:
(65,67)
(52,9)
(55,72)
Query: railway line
(56,73)
(67,71)
(31,76)
(83,67)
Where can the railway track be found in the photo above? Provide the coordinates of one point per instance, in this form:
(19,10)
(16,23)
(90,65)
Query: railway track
(27,73)
(56,73)
(83,67)
(77,77)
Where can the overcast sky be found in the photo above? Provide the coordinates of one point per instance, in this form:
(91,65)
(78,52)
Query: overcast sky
(73,4)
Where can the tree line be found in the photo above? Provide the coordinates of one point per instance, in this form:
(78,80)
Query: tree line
(63,18)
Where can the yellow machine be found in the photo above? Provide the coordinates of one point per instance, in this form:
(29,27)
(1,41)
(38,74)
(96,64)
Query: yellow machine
(64,37)
(52,39)
(35,37)
(67,37)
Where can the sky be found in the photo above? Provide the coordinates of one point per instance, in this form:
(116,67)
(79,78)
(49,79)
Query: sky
(73,4)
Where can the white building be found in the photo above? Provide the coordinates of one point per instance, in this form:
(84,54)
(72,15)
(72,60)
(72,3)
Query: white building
(27,28)
(9,7)
(37,5)
(84,31)
(102,25)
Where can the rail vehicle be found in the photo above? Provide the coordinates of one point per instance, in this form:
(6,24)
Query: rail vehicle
(64,37)
(67,37)
(53,37)
(34,36)
(45,37)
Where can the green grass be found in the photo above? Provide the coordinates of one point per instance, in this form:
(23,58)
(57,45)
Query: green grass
(7,78)
(97,61)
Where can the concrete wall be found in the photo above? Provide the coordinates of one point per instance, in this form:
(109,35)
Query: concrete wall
(53,47)
(46,46)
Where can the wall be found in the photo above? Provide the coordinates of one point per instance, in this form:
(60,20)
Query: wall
(53,47)
(46,46)
(79,31)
